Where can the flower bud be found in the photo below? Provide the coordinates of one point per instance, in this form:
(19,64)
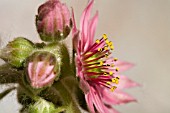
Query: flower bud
(53,21)
(17,51)
(42,69)
(41,106)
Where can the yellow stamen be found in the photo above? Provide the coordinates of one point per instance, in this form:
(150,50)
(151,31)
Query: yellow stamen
(97,41)
(101,63)
(117,69)
(112,47)
(113,88)
(115,80)
(118,77)
(110,73)
(108,83)
(106,55)
(100,49)
(105,74)
(112,65)
(115,59)
(107,42)
(106,48)
(105,36)
(110,43)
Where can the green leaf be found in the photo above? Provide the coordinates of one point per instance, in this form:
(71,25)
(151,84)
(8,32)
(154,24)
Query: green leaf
(4,93)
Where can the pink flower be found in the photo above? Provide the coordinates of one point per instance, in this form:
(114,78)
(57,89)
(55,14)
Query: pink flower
(97,70)
(42,69)
(53,21)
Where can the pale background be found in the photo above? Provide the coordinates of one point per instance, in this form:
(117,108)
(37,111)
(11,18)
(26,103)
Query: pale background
(140,30)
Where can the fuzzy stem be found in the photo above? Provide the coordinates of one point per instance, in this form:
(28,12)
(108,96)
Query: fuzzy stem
(27,90)
(67,97)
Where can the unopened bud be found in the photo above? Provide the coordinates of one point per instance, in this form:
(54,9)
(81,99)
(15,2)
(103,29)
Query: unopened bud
(41,106)
(53,21)
(17,51)
(42,69)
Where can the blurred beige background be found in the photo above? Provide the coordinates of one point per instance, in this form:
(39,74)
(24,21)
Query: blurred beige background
(140,30)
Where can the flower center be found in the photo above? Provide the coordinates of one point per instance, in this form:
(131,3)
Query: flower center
(97,64)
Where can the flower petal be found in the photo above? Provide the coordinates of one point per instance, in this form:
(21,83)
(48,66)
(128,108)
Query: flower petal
(125,82)
(97,100)
(117,97)
(84,23)
(89,101)
(110,109)
(74,29)
(123,66)
(75,32)
(92,27)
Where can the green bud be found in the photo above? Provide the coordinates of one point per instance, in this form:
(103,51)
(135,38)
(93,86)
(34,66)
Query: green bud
(41,106)
(17,51)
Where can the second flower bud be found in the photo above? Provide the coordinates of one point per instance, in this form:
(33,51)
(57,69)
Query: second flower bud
(42,69)
(53,21)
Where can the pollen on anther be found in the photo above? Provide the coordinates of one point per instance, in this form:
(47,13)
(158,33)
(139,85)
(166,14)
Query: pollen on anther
(113,88)
(110,43)
(115,59)
(107,41)
(117,69)
(115,80)
(118,78)
(100,49)
(101,63)
(108,83)
(106,55)
(112,47)
(105,36)
(112,65)
(97,41)
(106,48)
(110,73)
(105,74)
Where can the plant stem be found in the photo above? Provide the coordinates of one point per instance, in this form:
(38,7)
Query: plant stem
(67,97)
